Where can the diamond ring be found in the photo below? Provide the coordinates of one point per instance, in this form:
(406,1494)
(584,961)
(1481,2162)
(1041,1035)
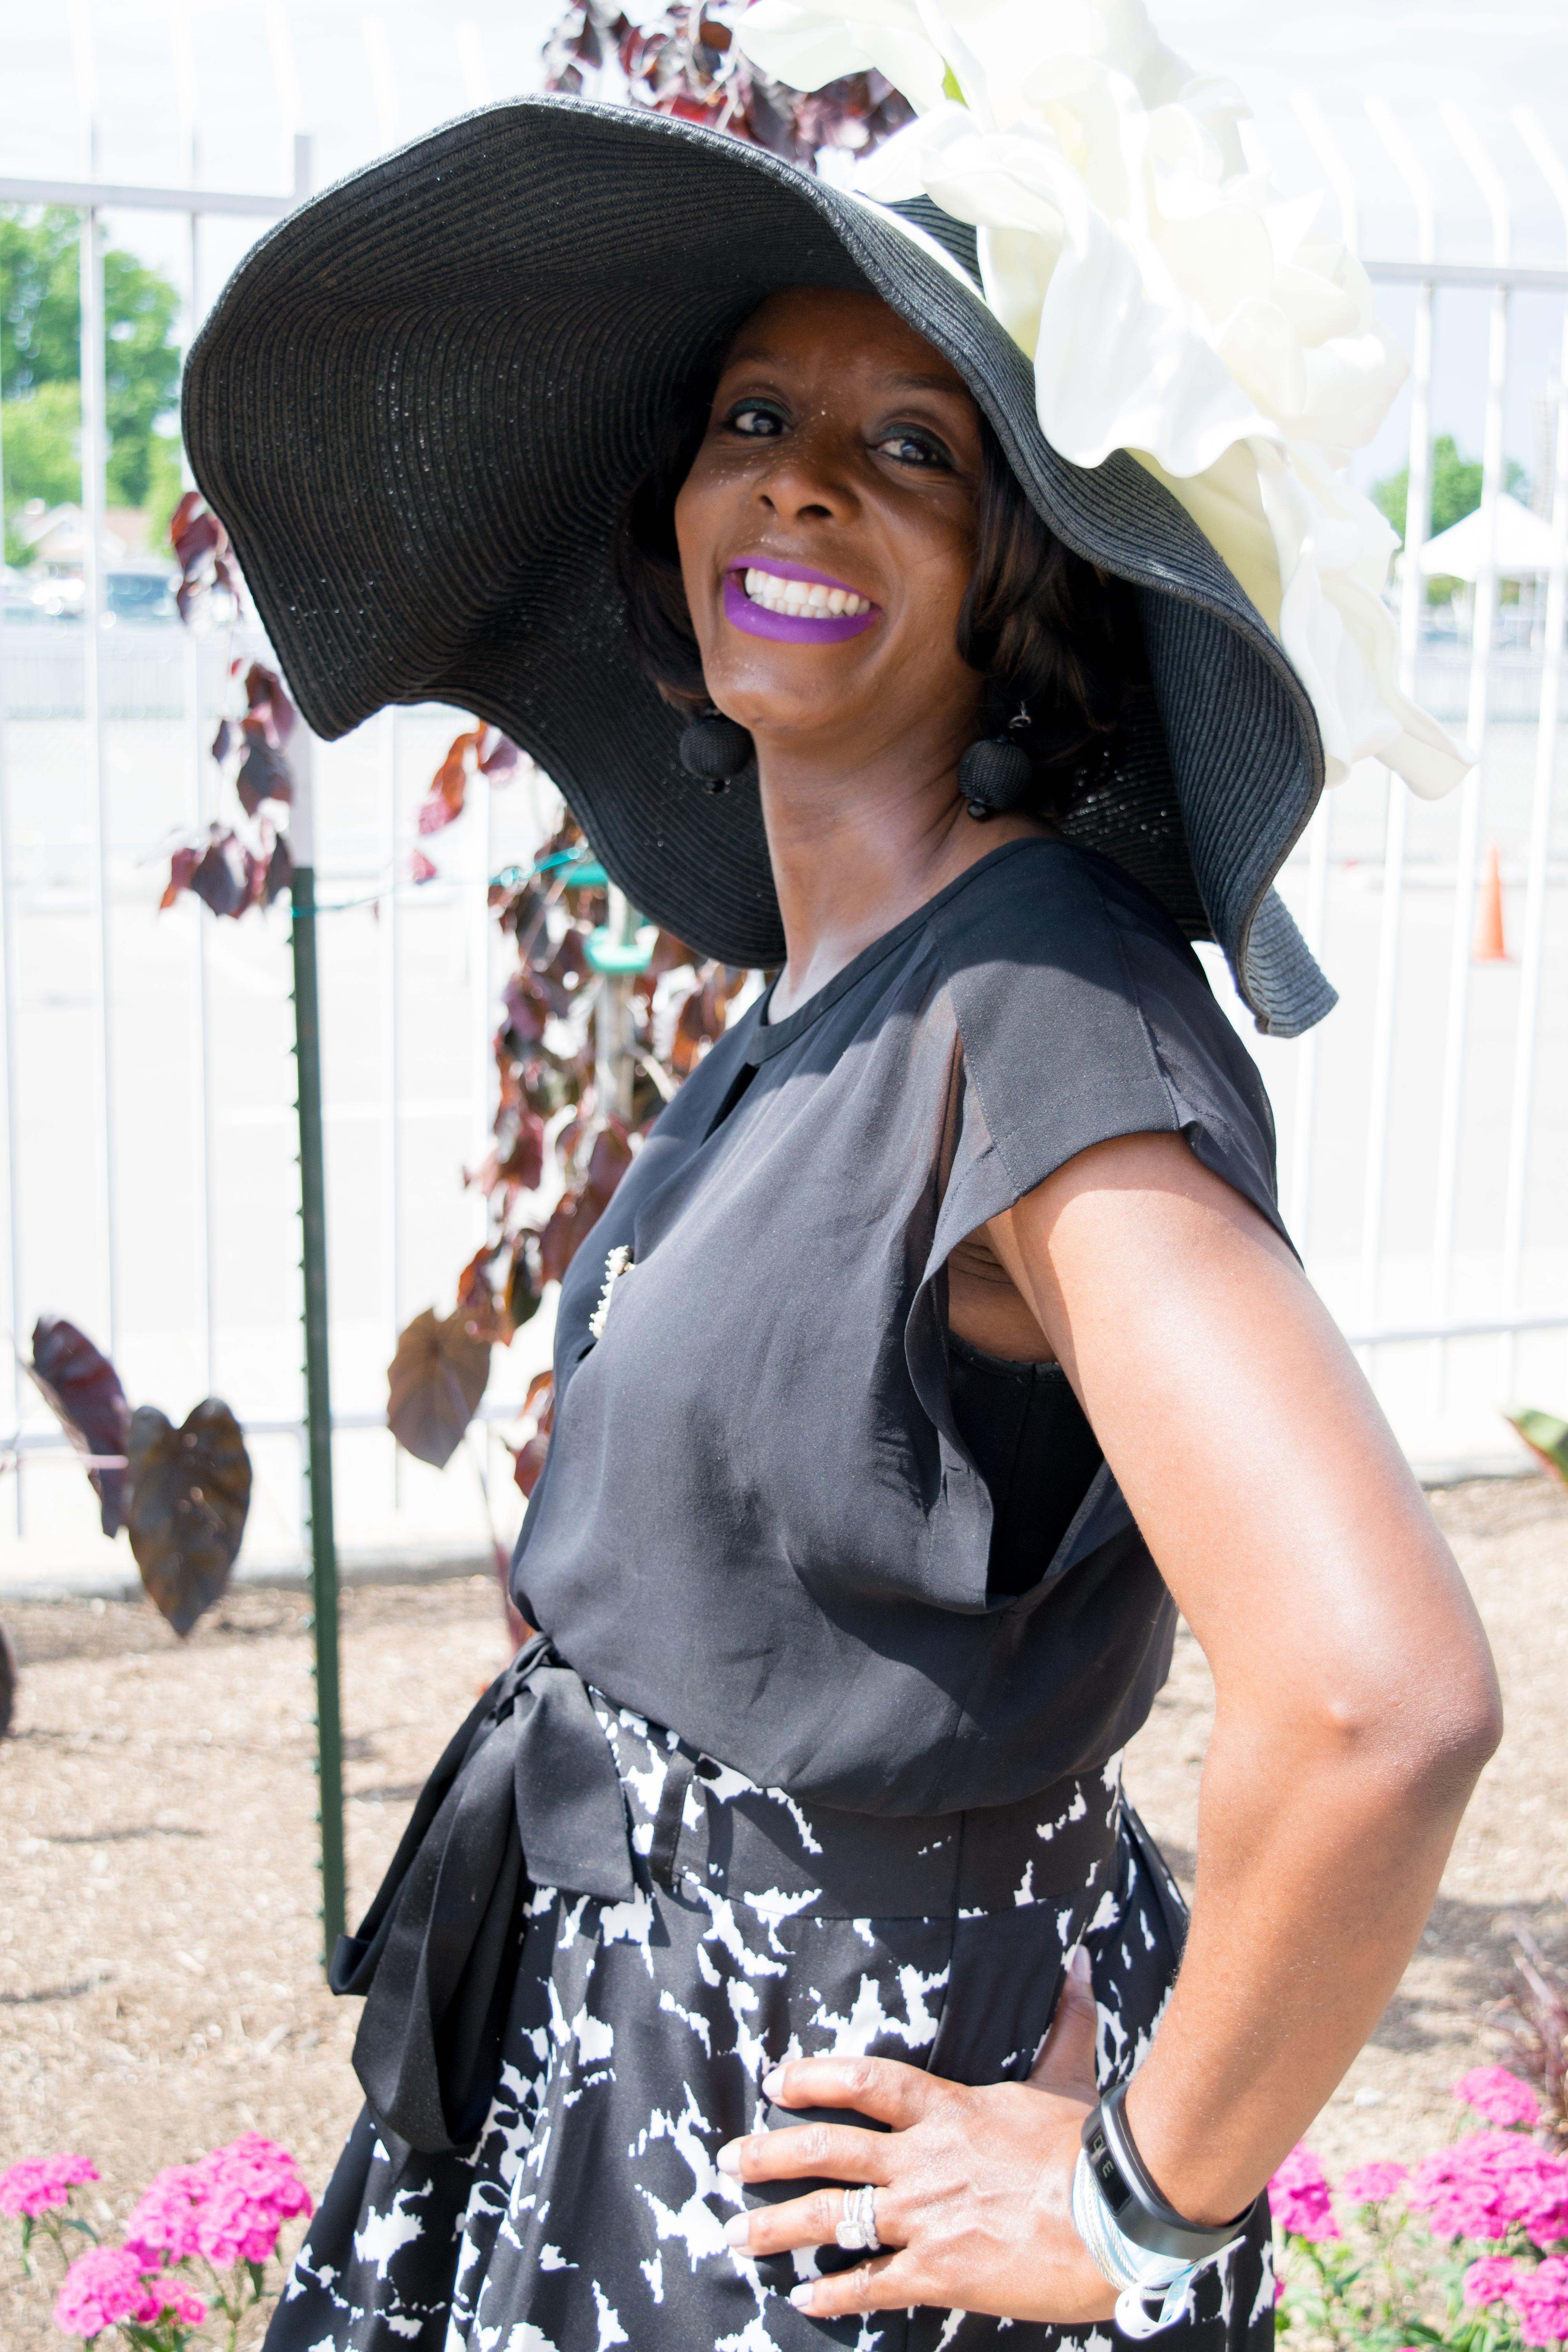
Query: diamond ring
(857,2232)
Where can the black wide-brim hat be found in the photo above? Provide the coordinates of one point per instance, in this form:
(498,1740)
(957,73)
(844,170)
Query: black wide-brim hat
(422,399)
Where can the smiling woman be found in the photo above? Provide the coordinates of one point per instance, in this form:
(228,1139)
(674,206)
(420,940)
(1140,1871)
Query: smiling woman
(773,1959)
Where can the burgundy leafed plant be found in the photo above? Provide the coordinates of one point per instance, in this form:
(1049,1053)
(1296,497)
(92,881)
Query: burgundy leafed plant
(182,1495)
(686,62)
(232,871)
(559,1152)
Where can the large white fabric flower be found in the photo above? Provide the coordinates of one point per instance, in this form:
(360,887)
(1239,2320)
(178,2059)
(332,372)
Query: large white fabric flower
(1173,302)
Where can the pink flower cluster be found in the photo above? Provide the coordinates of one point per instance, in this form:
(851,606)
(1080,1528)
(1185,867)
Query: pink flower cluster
(1490,2183)
(1538,2294)
(1299,2198)
(1499,2095)
(110,2285)
(1372,2184)
(229,2208)
(41,2184)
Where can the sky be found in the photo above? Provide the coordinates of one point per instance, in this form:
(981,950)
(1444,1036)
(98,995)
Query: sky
(161,78)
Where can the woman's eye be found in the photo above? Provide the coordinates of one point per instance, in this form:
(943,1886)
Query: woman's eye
(756,423)
(914,450)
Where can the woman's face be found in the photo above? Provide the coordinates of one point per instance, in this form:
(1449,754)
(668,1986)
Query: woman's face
(827,526)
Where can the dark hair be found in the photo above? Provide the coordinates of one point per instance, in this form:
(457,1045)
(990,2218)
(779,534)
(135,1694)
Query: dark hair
(1045,629)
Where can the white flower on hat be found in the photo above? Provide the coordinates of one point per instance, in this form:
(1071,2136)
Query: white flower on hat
(1173,303)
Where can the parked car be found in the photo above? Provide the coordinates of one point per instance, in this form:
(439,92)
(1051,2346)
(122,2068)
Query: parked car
(141,591)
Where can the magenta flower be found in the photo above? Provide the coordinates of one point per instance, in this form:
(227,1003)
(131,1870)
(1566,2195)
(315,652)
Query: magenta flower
(1299,2198)
(1540,2298)
(1490,2183)
(1372,2184)
(164,2222)
(1490,2280)
(174,2299)
(229,2208)
(100,2289)
(40,2184)
(1499,2095)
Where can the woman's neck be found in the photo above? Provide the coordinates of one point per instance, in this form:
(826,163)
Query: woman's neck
(854,852)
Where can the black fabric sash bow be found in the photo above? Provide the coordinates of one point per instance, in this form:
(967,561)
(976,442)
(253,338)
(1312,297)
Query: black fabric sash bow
(528,1785)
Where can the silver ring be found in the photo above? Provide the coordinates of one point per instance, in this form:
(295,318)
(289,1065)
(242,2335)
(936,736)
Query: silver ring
(857,2232)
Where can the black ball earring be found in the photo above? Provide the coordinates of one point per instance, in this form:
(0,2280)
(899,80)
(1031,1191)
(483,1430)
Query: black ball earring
(995,775)
(713,748)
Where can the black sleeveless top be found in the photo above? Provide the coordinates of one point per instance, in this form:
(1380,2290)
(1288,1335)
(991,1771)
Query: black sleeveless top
(784,1510)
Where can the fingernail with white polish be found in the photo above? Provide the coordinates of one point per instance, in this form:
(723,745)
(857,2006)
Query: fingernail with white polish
(1078,1965)
(738,2230)
(773,2083)
(801,2295)
(729,2157)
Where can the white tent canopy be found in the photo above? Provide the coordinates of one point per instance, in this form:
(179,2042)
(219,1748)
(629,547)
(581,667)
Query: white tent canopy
(1523,545)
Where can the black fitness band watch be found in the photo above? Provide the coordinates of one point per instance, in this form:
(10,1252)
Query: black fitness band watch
(1136,2205)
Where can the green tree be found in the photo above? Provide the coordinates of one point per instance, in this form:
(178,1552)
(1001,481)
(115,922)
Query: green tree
(1456,488)
(40,343)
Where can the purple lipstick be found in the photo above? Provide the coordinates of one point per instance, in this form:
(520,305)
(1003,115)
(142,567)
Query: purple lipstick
(756,600)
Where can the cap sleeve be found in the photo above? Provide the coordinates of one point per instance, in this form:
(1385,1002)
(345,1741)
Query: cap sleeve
(1083,1015)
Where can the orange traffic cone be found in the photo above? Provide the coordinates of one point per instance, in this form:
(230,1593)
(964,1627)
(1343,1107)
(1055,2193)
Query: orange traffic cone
(1490,946)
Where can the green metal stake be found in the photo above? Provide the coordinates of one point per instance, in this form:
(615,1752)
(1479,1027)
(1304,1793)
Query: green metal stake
(317,1387)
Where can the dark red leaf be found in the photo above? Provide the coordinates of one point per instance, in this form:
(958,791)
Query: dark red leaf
(279,870)
(528,1008)
(529,1464)
(182,866)
(434,1383)
(190,1494)
(523,1164)
(264,771)
(448,785)
(483,1312)
(268,701)
(524,1282)
(572,1220)
(608,1160)
(499,761)
(219,877)
(189,505)
(197,541)
(82,1390)
(223,742)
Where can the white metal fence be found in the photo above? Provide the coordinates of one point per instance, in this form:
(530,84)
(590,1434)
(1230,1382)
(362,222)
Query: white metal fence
(149,1179)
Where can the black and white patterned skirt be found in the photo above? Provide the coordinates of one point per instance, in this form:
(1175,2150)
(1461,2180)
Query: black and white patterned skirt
(590,2213)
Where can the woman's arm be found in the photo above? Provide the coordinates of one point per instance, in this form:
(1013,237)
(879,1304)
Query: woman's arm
(1356,1704)
(1355,1697)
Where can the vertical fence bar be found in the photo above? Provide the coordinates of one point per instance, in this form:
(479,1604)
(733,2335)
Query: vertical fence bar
(1304,1128)
(318,1383)
(1450,1115)
(1417,509)
(8,981)
(1330,156)
(1532,953)
(94,461)
(196,756)
(388,910)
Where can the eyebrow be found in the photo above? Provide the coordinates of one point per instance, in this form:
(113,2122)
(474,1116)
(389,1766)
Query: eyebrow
(759,355)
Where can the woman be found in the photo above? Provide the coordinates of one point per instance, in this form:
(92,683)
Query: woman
(943,1340)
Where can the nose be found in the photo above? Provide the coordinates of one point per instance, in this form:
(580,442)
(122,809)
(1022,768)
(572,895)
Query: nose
(809,481)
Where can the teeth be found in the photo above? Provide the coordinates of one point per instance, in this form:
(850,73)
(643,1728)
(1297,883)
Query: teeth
(809,597)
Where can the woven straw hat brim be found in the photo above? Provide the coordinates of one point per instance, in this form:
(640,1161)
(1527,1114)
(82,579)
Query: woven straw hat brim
(422,399)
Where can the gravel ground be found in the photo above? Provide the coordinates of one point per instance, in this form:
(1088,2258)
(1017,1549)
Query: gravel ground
(160,1979)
